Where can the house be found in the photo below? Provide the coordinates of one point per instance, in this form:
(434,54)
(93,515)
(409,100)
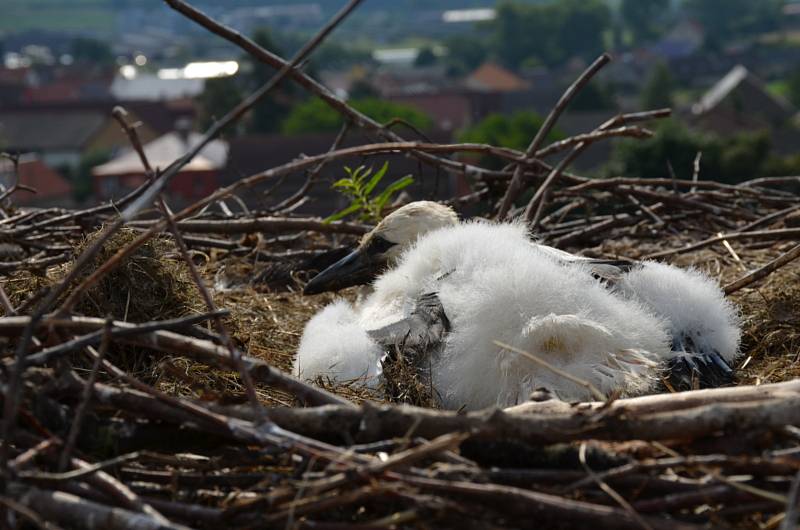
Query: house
(197,179)
(79,82)
(683,40)
(14,81)
(59,136)
(450,110)
(52,189)
(150,87)
(63,133)
(740,102)
(491,77)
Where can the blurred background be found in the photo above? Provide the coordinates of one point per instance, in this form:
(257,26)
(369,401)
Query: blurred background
(455,70)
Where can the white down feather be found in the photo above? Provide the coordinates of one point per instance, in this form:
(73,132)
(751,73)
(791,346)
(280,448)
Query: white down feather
(495,285)
(690,302)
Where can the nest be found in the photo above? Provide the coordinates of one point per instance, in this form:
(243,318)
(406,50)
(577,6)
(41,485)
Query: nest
(176,421)
(153,283)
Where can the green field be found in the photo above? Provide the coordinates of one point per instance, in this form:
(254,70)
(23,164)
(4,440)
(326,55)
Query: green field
(79,15)
(779,88)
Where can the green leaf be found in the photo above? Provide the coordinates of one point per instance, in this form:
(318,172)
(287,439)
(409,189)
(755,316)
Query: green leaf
(376,178)
(343,183)
(338,215)
(362,176)
(393,188)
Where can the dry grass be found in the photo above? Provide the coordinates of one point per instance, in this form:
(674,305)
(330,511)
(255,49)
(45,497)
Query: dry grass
(151,284)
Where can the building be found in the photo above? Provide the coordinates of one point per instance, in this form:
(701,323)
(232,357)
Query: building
(197,179)
(52,189)
(740,102)
(62,134)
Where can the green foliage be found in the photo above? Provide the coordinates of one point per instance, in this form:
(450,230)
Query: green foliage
(781,167)
(82,179)
(642,17)
(464,53)
(594,96)
(218,97)
(362,89)
(90,50)
(551,32)
(733,159)
(316,116)
(657,92)
(515,131)
(221,95)
(425,57)
(359,186)
(268,113)
(726,20)
(793,87)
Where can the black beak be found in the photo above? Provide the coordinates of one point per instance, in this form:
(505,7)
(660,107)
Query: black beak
(357,268)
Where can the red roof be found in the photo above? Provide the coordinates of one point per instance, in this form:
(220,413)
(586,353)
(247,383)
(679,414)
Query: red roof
(14,75)
(48,183)
(493,77)
(57,91)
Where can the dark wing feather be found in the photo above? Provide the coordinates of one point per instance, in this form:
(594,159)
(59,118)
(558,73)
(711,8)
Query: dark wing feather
(417,335)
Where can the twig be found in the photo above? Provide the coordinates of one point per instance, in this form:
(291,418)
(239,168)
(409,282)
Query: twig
(29,514)
(80,513)
(350,114)
(790,517)
(86,397)
(619,499)
(313,174)
(763,272)
(239,110)
(16,186)
(513,190)
(599,134)
(780,233)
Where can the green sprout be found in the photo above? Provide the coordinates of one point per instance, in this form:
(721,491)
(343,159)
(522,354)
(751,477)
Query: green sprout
(358,187)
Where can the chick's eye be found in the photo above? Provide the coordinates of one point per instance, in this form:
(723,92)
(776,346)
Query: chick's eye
(379,245)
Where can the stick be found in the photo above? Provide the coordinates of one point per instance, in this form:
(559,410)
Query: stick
(86,396)
(513,190)
(763,272)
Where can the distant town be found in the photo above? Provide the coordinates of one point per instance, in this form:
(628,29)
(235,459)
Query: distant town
(447,71)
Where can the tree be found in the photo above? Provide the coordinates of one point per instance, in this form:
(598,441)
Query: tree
(581,24)
(794,87)
(218,97)
(641,17)
(362,89)
(317,116)
(425,57)
(515,131)
(465,53)
(551,32)
(594,96)
(82,178)
(657,92)
(267,115)
(221,95)
(90,50)
(731,160)
(728,20)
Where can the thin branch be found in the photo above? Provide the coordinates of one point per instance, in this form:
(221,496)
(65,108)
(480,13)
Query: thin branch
(514,187)
(763,272)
